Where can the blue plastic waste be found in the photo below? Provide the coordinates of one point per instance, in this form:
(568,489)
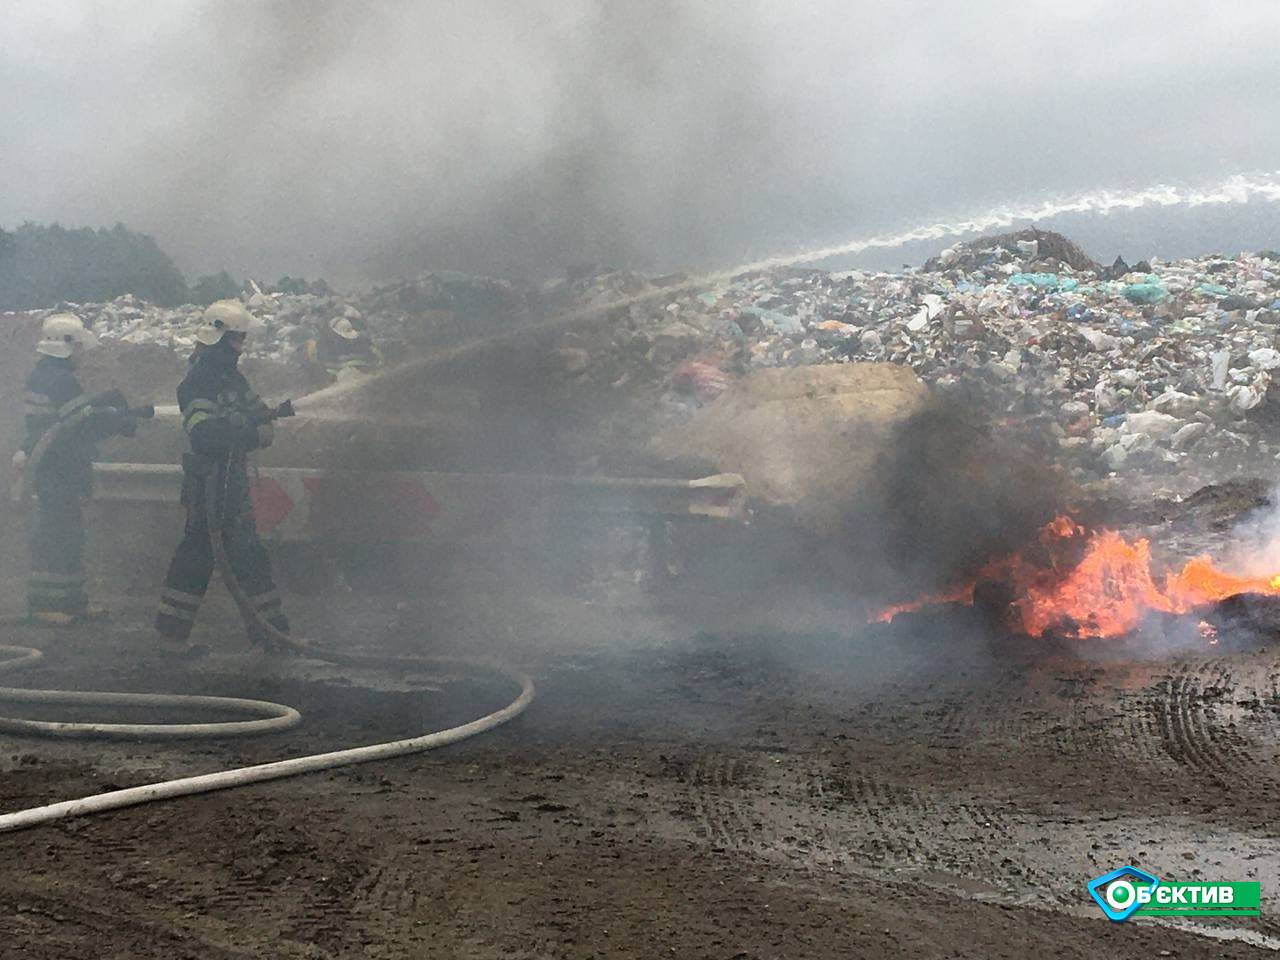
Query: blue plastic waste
(1149,292)
(1213,289)
(1043,281)
(773,320)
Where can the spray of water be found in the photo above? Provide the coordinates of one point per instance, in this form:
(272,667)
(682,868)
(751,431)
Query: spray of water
(1236,189)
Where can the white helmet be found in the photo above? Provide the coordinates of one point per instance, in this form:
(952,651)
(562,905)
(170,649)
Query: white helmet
(220,317)
(343,328)
(60,334)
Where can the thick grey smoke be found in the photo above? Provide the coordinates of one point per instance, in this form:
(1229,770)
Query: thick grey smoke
(359,140)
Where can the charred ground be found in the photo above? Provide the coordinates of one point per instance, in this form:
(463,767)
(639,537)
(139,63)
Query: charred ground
(682,784)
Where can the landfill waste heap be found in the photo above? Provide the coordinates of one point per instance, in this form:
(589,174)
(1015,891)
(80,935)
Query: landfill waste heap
(1161,372)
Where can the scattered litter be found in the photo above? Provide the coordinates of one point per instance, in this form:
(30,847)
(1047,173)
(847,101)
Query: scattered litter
(1131,368)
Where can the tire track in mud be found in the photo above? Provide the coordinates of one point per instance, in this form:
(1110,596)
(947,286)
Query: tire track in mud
(246,874)
(1183,726)
(803,810)
(390,889)
(1216,719)
(79,925)
(877,823)
(326,920)
(974,715)
(717,795)
(821,815)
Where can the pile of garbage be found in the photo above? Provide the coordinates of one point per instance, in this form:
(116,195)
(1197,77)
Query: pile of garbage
(1163,368)
(1167,369)
(432,309)
(1053,249)
(402,319)
(283,322)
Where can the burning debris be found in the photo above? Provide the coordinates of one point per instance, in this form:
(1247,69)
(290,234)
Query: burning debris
(1077,583)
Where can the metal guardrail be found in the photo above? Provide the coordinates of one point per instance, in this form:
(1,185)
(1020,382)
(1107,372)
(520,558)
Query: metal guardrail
(296,504)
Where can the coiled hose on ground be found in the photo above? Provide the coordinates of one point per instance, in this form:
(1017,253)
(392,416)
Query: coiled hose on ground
(273,716)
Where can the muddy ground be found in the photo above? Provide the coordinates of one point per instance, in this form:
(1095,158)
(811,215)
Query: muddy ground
(681,787)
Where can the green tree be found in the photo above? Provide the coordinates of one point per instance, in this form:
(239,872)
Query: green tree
(214,286)
(45,265)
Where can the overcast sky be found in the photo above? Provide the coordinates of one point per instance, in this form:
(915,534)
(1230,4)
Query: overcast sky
(359,140)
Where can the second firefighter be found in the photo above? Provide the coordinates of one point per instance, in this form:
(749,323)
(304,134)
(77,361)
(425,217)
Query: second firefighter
(223,420)
(63,426)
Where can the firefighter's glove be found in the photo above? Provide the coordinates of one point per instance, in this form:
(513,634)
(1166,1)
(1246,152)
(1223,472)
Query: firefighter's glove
(145,412)
(266,435)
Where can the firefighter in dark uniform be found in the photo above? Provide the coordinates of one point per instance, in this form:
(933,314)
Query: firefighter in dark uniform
(61,472)
(223,420)
(342,347)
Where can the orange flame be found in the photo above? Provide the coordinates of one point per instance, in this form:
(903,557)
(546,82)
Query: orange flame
(959,595)
(1108,591)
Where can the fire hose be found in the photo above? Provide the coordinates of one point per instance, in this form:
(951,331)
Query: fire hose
(273,717)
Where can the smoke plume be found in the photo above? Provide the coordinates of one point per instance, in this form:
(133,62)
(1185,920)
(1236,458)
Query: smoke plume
(364,140)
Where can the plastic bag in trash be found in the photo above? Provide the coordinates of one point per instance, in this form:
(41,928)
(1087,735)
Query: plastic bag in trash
(1149,292)
(1213,289)
(1043,281)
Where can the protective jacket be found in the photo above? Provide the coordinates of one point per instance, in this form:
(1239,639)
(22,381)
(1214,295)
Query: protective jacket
(220,412)
(223,420)
(60,475)
(54,396)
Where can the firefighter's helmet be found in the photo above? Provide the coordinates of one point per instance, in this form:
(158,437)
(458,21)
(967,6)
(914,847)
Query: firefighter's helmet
(61,333)
(344,328)
(223,316)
